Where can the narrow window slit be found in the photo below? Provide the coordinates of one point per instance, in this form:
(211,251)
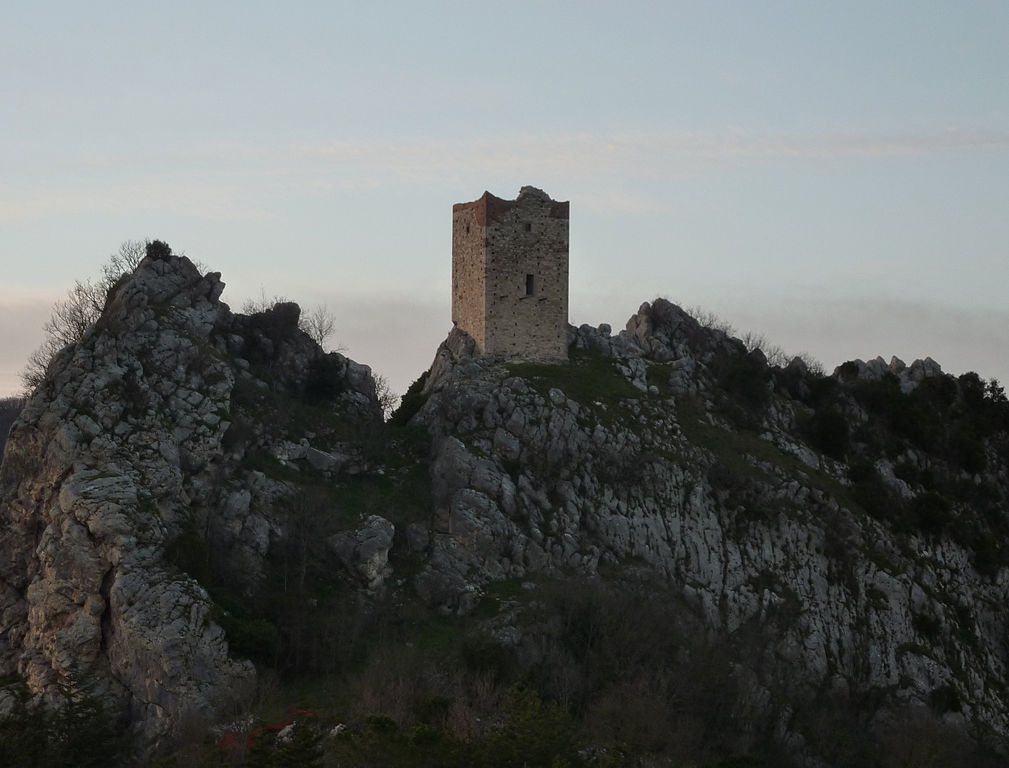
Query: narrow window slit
(530,286)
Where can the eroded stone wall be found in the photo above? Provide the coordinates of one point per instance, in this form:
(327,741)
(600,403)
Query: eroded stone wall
(510,274)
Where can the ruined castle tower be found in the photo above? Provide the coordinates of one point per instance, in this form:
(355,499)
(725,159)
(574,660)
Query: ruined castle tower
(510,275)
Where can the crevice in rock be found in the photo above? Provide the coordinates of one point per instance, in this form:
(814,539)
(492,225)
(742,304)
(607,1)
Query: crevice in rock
(106,620)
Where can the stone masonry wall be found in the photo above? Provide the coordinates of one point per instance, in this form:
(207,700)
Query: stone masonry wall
(469,260)
(516,255)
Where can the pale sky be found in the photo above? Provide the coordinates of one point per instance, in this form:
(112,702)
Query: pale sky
(834,175)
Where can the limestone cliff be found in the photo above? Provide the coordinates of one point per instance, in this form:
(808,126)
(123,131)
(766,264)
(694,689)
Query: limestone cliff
(845,533)
(138,438)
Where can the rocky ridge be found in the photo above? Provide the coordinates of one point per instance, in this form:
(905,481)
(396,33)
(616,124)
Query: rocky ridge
(184,470)
(671,449)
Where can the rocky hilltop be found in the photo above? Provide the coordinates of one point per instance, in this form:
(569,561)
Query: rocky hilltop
(132,448)
(195,495)
(848,532)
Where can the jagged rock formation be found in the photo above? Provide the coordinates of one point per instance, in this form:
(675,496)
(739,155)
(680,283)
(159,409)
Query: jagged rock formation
(134,454)
(847,532)
(182,467)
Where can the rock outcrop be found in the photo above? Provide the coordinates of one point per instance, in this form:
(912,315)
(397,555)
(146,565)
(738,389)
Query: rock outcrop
(792,513)
(841,535)
(131,457)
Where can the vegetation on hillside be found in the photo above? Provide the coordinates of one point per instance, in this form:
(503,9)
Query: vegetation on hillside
(610,672)
(78,729)
(621,677)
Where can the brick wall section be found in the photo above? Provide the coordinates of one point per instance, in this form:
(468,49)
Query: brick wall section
(510,275)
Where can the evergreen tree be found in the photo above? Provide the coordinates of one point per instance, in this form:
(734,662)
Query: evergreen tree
(78,731)
(84,732)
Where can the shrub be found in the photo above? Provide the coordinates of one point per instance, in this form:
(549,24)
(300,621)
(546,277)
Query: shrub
(190,552)
(829,432)
(931,513)
(411,402)
(381,724)
(254,639)
(989,555)
(944,699)
(870,491)
(433,710)
(534,732)
(972,391)
(157,249)
(905,416)
(907,472)
(939,392)
(967,449)
(745,379)
(822,390)
(485,654)
(325,381)
(926,626)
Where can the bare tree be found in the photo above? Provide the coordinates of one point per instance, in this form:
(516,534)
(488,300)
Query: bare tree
(70,318)
(708,319)
(319,323)
(813,365)
(123,261)
(774,354)
(262,304)
(79,309)
(386,397)
(34,371)
(777,357)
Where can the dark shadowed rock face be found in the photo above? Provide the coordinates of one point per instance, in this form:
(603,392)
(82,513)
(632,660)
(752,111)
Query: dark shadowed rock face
(140,434)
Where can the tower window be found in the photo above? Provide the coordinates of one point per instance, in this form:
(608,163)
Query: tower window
(529,227)
(530,285)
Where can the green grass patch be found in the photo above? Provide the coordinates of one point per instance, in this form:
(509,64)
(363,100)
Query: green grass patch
(401,496)
(586,378)
(508,588)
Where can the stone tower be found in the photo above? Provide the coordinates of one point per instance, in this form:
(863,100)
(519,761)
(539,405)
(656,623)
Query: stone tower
(510,275)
